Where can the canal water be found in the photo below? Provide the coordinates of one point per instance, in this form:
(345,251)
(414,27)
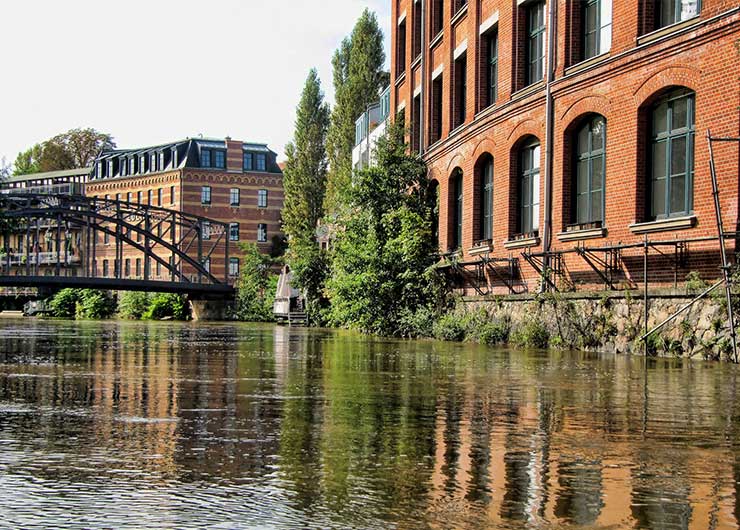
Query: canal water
(164,425)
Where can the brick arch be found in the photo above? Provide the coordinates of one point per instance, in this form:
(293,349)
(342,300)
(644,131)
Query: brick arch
(457,162)
(486,145)
(434,175)
(671,76)
(526,127)
(588,104)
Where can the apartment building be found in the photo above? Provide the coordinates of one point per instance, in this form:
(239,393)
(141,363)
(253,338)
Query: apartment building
(562,135)
(370,127)
(232,182)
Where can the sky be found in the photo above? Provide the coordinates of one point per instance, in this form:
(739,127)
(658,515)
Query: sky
(154,71)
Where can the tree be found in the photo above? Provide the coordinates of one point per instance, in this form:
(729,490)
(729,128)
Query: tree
(28,161)
(5,169)
(77,148)
(304,180)
(382,271)
(358,79)
(257,285)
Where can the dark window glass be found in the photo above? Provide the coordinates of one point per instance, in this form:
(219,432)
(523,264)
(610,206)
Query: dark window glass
(590,172)
(234,197)
(205,195)
(248,162)
(262,233)
(261,160)
(205,158)
(437,17)
(672,156)
(669,12)
(234,232)
(535,42)
(596,23)
(529,189)
(461,88)
(436,117)
(205,230)
(457,209)
(401,49)
(492,68)
(486,198)
(219,159)
(233,267)
(262,198)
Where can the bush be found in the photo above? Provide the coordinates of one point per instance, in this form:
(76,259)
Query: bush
(256,287)
(95,305)
(133,304)
(492,333)
(165,305)
(450,327)
(82,304)
(532,334)
(419,323)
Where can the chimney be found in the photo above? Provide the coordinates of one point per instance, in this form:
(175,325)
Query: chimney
(234,155)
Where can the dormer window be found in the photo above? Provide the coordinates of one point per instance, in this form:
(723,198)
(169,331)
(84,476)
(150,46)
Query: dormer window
(132,166)
(219,159)
(142,164)
(261,162)
(153,162)
(248,162)
(124,166)
(205,158)
(161,160)
(174,158)
(110,168)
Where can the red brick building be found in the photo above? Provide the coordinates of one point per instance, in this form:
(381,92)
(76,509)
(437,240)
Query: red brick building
(229,181)
(561,133)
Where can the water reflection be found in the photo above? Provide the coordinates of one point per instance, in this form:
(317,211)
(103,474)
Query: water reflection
(172,426)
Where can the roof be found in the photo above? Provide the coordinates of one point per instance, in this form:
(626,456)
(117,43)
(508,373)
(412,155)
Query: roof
(51,175)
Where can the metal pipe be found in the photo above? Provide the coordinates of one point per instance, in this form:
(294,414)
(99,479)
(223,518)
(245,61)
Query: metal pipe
(549,131)
(646,301)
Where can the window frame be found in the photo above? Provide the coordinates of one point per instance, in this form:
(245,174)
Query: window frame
(589,156)
(457,202)
(262,233)
(205,195)
(233,267)
(260,162)
(676,17)
(234,197)
(250,157)
(219,158)
(486,200)
(535,46)
(528,184)
(262,198)
(206,156)
(234,232)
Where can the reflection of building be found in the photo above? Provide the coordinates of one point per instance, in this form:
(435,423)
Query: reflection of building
(596,141)
(369,128)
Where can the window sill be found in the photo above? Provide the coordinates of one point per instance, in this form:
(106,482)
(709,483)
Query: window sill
(527,242)
(401,78)
(664,225)
(416,62)
(482,247)
(526,91)
(436,40)
(584,65)
(668,30)
(461,14)
(580,235)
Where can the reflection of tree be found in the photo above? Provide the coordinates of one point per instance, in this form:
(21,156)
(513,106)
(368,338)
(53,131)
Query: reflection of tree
(580,500)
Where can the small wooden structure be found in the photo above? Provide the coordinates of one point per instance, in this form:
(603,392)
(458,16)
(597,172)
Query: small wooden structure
(289,307)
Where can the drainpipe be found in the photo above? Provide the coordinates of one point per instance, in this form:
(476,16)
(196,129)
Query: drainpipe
(423,76)
(550,130)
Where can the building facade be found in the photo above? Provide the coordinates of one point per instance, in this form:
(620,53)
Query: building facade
(232,182)
(369,128)
(562,135)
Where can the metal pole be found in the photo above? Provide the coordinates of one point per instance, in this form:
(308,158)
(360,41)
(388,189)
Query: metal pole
(58,243)
(723,252)
(647,308)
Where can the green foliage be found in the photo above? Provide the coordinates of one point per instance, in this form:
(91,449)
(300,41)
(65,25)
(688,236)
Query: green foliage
(358,79)
(133,304)
(95,305)
(76,148)
(383,256)
(167,305)
(256,286)
(532,334)
(305,186)
(449,327)
(694,282)
(82,304)
(493,333)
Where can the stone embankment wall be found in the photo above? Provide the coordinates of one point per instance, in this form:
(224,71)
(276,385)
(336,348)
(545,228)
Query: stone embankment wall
(614,322)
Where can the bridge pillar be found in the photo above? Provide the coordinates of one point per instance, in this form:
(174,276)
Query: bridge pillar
(203,309)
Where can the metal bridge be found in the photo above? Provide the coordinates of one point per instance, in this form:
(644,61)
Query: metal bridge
(58,240)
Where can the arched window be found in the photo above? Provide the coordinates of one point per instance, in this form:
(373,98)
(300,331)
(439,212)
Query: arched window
(590,167)
(486,199)
(456,204)
(671,153)
(529,189)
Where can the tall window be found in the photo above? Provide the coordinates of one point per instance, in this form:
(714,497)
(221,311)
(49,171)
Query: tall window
(127,267)
(459,4)
(535,42)
(262,199)
(672,155)
(234,196)
(669,12)
(435,123)
(205,158)
(105,268)
(172,195)
(490,70)
(219,159)
(416,124)
(262,233)
(461,87)
(153,162)
(486,199)
(205,228)
(261,160)
(248,162)
(205,195)
(529,189)
(456,189)
(597,27)
(590,163)
(138,267)
(149,197)
(233,231)
(207,264)
(417,25)
(129,196)
(437,17)
(159,196)
(401,48)
(233,267)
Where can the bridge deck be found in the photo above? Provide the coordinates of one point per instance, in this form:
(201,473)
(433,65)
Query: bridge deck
(115,284)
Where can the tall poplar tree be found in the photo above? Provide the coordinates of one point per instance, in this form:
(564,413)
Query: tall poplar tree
(304,180)
(358,79)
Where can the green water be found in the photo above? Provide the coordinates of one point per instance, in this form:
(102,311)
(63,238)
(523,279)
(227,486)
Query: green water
(136,425)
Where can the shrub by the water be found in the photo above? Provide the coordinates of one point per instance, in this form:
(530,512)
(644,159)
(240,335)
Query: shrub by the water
(165,305)
(83,304)
(532,334)
(133,304)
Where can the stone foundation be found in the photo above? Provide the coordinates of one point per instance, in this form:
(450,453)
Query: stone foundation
(210,309)
(614,322)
